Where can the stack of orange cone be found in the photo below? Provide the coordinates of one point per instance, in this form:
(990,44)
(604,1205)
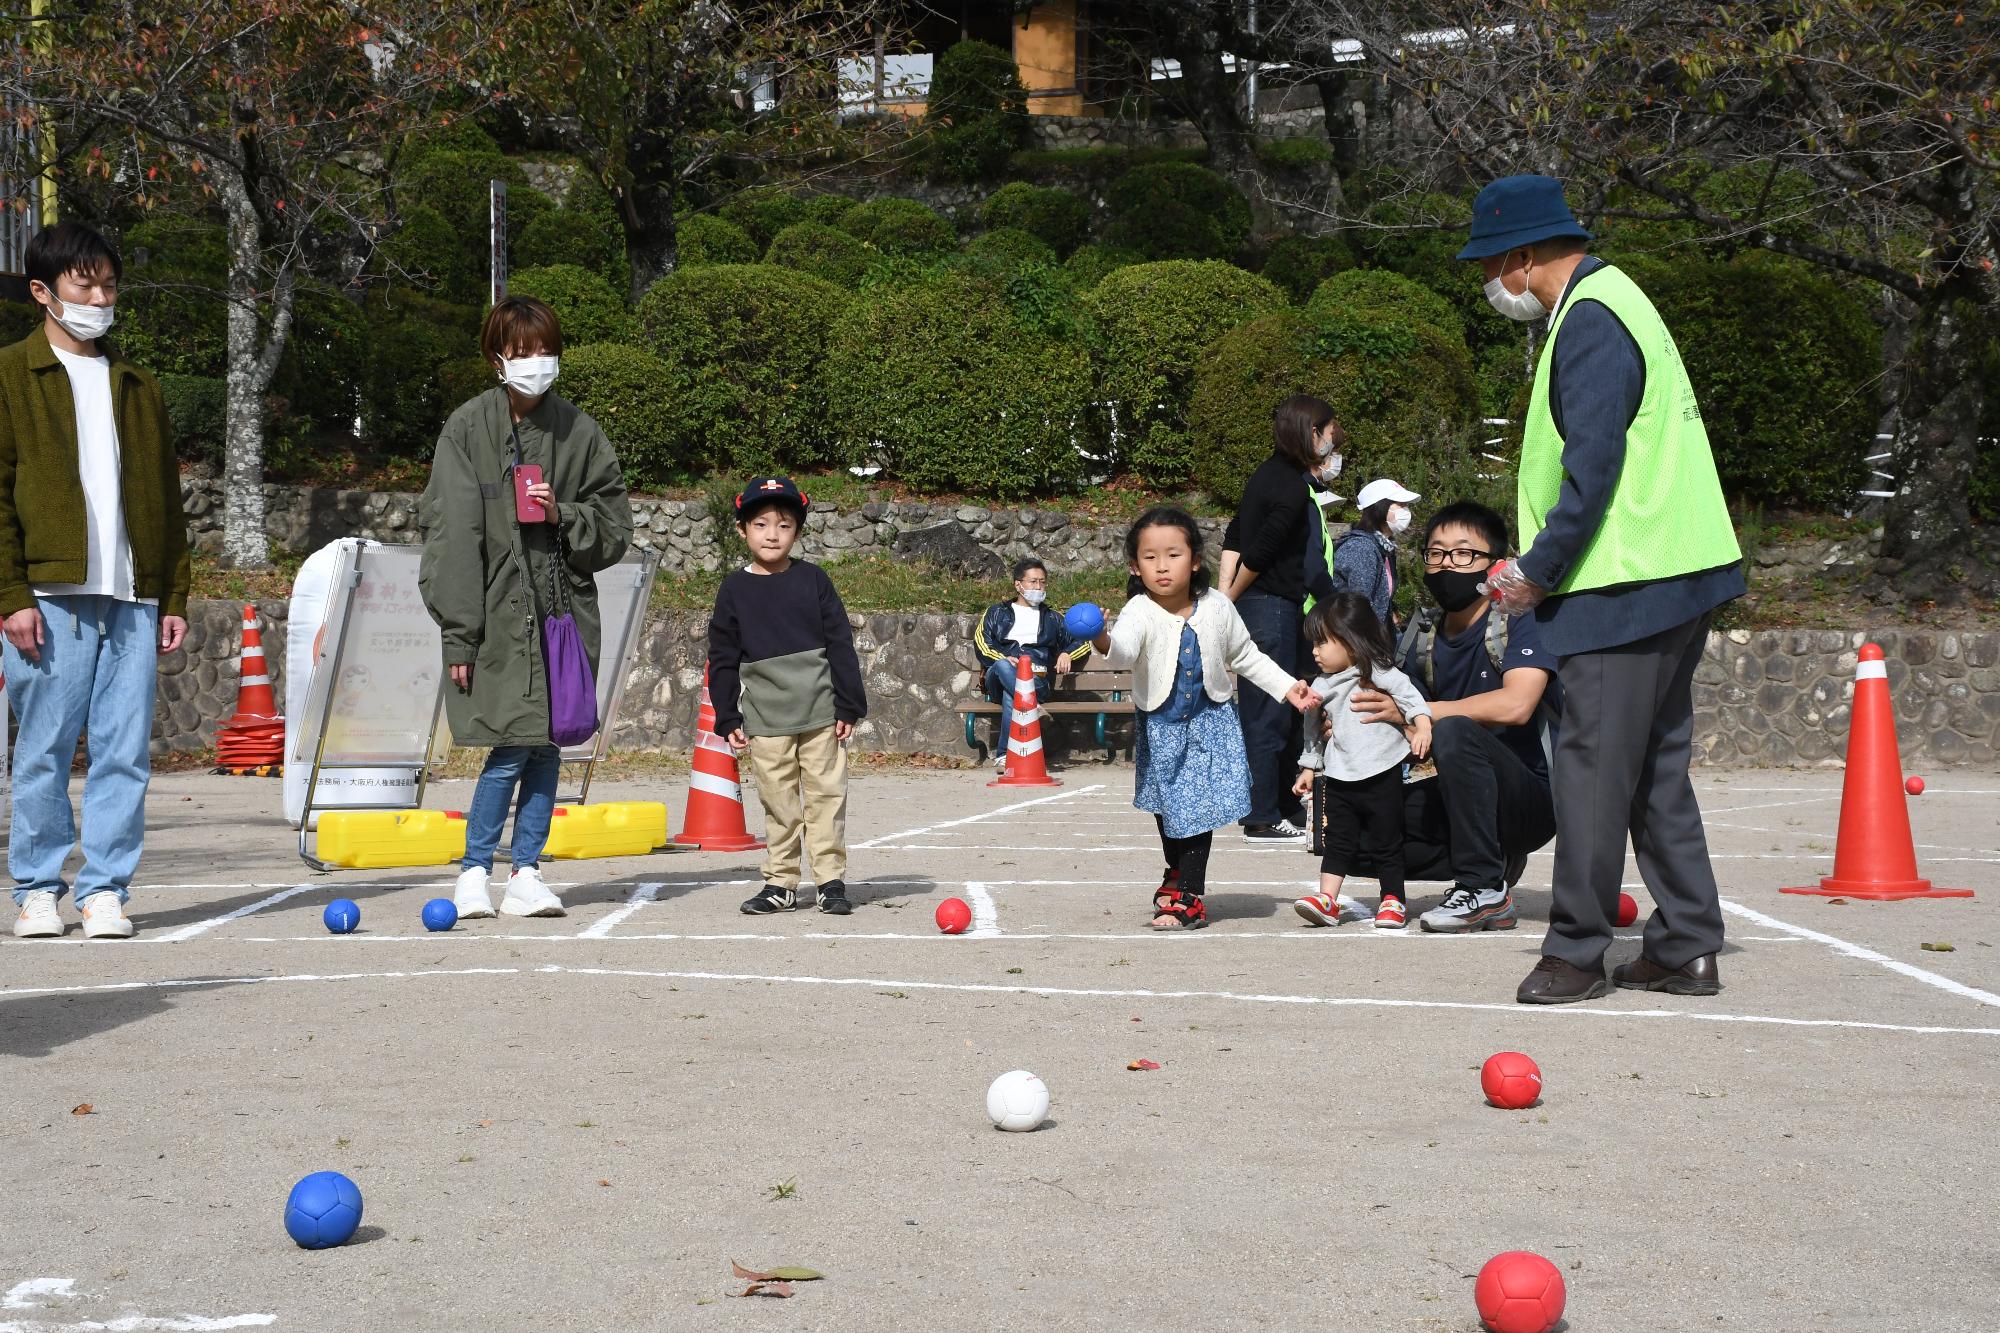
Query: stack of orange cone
(714,818)
(1875,857)
(1025,765)
(253,741)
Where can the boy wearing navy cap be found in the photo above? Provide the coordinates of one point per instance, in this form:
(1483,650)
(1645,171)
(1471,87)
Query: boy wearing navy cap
(786,686)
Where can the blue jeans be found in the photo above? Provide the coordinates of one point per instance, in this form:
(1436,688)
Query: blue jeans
(1271,727)
(1001,677)
(99,659)
(535,768)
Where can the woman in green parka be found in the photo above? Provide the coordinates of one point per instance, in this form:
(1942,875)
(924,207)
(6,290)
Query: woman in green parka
(488,579)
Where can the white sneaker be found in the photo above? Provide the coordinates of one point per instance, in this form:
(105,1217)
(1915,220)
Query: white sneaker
(471,896)
(527,895)
(104,917)
(38,919)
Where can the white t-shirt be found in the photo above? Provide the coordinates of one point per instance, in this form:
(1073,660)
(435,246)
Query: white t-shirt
(1027,624)
(108,553)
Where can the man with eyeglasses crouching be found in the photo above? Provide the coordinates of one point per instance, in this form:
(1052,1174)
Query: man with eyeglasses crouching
(1494,704)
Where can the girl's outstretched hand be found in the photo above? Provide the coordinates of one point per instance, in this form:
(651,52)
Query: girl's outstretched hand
(1304,785)
(1420,738)
(1301,696)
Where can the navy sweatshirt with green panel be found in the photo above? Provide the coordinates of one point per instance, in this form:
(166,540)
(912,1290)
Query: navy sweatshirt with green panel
(781,656)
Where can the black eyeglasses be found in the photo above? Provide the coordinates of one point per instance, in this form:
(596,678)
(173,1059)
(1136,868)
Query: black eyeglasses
(1459,559)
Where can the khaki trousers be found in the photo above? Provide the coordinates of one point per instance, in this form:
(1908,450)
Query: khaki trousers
(802,781)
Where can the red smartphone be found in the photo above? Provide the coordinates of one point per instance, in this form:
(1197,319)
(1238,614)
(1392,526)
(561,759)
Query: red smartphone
(526,508)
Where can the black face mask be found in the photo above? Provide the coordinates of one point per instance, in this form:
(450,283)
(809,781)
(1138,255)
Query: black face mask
(1454,589)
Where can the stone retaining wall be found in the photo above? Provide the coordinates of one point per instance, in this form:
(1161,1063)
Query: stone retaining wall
(1763,698)
(302,519)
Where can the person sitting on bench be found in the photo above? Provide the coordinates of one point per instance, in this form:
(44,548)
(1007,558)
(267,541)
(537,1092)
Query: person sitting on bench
(1022,627)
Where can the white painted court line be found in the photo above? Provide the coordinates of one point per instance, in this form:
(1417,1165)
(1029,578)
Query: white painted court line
(1865,954)
(188,932)
(974,819)
(642,895)
(1303,935)
(985,913)
(1526,1012)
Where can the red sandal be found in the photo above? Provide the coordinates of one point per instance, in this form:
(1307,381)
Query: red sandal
(1178,910)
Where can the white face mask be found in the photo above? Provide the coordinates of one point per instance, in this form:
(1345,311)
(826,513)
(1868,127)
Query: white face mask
(529,375)
(1521,308)
(1034,596)
(85,323)
(1399,520)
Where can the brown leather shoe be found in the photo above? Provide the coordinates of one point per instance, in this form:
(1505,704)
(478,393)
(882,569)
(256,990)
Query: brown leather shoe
(1555,982)
(1699,977)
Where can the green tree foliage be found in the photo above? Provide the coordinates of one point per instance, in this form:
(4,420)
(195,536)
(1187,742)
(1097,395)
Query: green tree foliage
(583,231)
(976,115)
(1299,264)
(899,228)
(823,251)
(197,408)
(1092,263)
(170,311)
(744,346)
(425,363)
(327,360)
(1177,210)
(1148,326)
(455,183)
(590,311)
(1058,218)
(705,239)
(620,388)
(952,391)
(428,253)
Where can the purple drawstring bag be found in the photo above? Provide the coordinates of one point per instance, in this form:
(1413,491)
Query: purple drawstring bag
(572,686)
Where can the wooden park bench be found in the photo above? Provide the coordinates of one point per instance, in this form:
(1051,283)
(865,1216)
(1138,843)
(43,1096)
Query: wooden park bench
(1101,695)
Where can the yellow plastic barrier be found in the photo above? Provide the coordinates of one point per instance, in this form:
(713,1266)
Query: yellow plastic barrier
(377,839)
(616,828)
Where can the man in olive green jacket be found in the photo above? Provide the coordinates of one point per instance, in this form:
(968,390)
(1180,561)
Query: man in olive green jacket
(94,580)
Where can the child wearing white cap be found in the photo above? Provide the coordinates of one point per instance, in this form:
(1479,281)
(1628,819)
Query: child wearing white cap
(1364,561)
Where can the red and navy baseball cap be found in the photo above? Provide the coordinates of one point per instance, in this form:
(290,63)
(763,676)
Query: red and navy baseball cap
(764,491)
(1519,210)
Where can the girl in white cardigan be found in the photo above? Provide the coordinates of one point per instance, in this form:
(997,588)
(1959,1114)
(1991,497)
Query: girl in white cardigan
(1183,644)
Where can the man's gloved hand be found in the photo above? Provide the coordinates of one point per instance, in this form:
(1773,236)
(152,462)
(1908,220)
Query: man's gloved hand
(1513,592)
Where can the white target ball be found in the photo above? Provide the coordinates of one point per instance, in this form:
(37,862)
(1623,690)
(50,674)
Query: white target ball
(1018,1101)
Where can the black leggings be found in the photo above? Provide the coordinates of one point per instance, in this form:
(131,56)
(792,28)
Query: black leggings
(1188,856)
(1365,815)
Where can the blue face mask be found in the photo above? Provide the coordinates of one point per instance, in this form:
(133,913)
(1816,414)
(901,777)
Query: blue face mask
(1034,596)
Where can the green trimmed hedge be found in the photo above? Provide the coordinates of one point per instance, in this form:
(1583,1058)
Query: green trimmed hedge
(1177,210)
(1785,362)
(425,362)
(620,387)
(976,115)
(744,346)
(702,238)
(1059,219)
(1403,392)
(584,231)
(899,228)
(172,318)
(1375,291)
(1299,264)
(198,411)
(1091,264)
(953,392)
(1000,254)
(823,251)
(589,310)
(1148,326)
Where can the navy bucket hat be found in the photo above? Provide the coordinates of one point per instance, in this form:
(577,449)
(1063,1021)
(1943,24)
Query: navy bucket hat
(1519,210)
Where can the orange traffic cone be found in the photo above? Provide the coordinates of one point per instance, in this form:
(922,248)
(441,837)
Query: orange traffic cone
(254,739)
(1025,766)
(1875,856)
(714,819)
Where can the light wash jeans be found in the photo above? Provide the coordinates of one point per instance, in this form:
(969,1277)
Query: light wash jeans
(535,768)
(99,660)
(1001,678)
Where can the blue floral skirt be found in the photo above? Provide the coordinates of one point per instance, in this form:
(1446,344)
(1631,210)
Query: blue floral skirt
(1193,773)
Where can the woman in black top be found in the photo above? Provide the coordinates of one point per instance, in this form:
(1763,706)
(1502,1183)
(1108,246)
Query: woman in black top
(1272,527)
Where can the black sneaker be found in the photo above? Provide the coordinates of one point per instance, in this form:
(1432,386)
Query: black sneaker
(833,899)
(1284,829)
(771,899)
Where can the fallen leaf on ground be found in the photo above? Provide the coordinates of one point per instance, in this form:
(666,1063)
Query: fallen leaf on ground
(1941,947)
(775,1274)
(85,1108)
(1142,1065)
(605,1183)
(765,1289)
(486,1124)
